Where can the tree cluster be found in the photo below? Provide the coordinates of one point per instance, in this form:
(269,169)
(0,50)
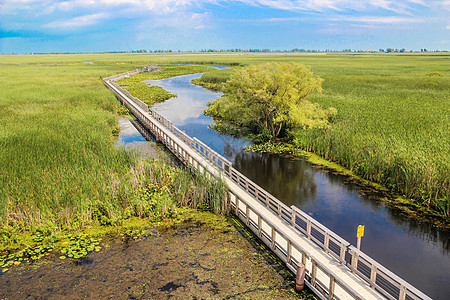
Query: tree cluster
(271,98)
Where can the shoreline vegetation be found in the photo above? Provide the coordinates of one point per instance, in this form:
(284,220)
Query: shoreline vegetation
(391,131)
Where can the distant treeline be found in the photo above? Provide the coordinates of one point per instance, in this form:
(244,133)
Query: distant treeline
(239,50)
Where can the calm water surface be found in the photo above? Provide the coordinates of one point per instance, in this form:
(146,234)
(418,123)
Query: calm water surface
(417,252)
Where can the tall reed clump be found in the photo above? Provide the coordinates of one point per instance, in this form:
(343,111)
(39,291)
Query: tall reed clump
(157,189)
(391,130)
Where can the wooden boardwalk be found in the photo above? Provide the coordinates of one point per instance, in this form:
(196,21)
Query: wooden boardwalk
(334,268)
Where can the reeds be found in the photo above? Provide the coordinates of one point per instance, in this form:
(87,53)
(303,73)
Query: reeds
(58,163)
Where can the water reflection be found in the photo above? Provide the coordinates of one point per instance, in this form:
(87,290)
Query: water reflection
(417,252)
(190,100)
(299,186)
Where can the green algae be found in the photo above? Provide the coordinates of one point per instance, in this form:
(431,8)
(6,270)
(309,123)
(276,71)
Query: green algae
(196,253)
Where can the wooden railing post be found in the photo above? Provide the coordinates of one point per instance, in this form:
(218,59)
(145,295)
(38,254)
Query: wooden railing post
(259,225)
(289,251)
(354,261)
(402,295)
(342,254)
(331,288)
(326,242)
(373,275)
(313,272)
(308,229)
(247,217)
(273,238)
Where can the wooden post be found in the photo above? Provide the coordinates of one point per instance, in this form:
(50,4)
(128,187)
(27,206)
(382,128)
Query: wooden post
(259,225)
(308,229)
(331,289)
(273,238)
(300,278)
(373,275)
(354,261)
(402,295)
(313,272)
(289,252)
(293,218)
(326,242)
(247,212)
(342,254)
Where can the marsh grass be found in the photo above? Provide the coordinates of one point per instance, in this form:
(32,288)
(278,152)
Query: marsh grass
(58,164)
(149,94)
(214,79)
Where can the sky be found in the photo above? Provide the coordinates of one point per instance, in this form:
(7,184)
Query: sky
(31,26)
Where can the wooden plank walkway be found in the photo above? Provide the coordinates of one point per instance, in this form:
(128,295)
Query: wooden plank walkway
(334,268)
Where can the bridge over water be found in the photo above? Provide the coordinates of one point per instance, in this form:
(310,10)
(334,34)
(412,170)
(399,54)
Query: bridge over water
(334,268)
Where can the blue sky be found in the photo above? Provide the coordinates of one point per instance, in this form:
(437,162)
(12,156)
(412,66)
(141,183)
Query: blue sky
(103,25)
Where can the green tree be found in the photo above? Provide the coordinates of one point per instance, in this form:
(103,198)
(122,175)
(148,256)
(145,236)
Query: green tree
(271,97)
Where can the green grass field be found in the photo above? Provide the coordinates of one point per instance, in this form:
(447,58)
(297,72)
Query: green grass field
(57,159)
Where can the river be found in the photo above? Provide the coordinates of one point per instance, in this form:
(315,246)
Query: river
(416,251)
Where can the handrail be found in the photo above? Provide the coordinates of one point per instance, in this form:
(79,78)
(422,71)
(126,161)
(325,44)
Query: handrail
(290,215)
(378,270)
(327,233)
(291,243)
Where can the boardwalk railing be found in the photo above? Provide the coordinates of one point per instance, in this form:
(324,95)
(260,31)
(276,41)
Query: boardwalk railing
(378,277)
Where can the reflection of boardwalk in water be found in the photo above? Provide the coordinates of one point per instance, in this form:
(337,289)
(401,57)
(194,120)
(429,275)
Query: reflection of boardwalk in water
(134,137)
(334,268)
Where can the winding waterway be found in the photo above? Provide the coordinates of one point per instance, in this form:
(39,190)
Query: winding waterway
(417,252)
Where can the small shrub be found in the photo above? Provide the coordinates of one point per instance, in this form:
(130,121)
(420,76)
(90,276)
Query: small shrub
(430,84)
(432,74)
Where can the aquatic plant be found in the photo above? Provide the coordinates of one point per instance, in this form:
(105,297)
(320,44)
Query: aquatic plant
(79,246)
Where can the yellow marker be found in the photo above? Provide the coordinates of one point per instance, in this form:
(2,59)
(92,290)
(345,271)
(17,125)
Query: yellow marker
(359,234)
(360,231)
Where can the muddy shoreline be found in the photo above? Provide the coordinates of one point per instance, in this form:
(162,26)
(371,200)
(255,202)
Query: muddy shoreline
(202,256)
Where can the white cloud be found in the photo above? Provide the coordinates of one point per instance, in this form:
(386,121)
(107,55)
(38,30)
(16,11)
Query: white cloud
(170,6)
(379,20)
(190,14)
(399,6)
(77,22)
